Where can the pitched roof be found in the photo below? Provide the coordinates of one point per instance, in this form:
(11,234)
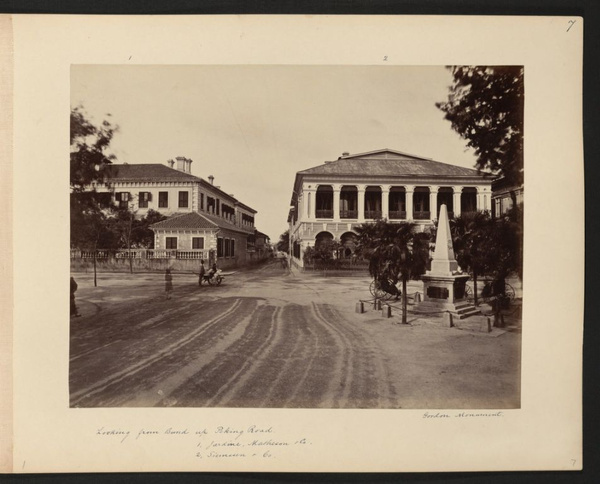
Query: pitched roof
(145,172)
(196,220)
(192,220)
(388,163)
(224,224)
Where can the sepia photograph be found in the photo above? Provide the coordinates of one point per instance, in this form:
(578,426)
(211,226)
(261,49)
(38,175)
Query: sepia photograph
(296,236)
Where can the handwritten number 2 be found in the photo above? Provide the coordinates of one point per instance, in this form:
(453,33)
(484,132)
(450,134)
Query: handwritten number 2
(385,57)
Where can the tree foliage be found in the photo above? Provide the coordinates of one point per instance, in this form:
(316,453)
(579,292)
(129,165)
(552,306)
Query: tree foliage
(488,247)
(283,245)
(325,255)
(89,144)
(485,107)
(90,211)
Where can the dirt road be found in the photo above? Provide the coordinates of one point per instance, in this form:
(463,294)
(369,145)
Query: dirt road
(267,338)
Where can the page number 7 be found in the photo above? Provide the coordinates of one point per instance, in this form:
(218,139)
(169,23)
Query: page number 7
(571,23)
(573,462)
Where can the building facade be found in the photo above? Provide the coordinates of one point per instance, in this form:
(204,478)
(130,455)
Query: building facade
(502,196)
(204,222)
(330,200)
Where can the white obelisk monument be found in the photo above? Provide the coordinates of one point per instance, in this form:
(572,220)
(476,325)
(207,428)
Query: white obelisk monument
(444,284)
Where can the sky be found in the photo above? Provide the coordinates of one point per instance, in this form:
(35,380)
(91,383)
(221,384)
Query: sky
(254,127)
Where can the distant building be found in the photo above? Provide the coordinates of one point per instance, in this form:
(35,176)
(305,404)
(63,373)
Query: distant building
(204,221)
(330,200)
(502,196)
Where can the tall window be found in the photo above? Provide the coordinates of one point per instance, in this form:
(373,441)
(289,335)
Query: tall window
(349,202)
(183,199)
(202,201)
(227,248)
(197,242)
(324,202)
(122,198)
(219,247)
(144,198)
(163,199)
(171,242)
(373,202)
(232,248)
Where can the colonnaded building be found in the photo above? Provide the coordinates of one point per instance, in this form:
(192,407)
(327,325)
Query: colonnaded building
(204,221)
(330,200)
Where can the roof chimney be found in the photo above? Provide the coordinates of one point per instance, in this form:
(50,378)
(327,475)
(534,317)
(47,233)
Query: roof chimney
(184,164)
(346,153)
(170,163)
(211,179)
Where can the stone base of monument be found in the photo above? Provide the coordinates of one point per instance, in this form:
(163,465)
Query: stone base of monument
(447,293)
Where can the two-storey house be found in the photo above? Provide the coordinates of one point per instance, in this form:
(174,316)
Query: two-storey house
(330,200)
(204,222)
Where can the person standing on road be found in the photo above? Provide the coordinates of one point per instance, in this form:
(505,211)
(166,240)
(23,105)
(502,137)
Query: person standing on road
(73,312)
(168,283)
(202,272)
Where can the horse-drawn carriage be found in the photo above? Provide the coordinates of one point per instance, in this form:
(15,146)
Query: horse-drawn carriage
(384,288)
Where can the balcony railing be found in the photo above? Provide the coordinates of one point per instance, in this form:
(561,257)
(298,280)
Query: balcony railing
(422,215)
(397,215)
(141,254)
(348,214)
(324,213)
(372,213)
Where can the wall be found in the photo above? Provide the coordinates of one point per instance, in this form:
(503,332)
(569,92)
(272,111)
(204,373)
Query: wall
(172,189)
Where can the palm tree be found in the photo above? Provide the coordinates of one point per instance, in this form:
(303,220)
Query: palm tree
(395,252)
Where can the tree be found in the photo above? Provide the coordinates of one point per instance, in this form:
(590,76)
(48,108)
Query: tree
(88,150)
(89,226)
(395,252)
(472,235)
(89,210)
(324,255)
(283,245)
(484,246)
(142,235)
(485,107)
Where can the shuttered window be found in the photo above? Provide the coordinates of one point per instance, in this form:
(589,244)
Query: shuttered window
(183,199)
(144,198)
(171,242)
(219,247)
(197,242)
(163,199)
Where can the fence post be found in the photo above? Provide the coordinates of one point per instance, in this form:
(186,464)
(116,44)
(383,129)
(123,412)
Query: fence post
(448,323)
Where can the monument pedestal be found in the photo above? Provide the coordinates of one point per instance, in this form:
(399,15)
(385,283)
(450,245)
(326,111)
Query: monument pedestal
(447,292)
